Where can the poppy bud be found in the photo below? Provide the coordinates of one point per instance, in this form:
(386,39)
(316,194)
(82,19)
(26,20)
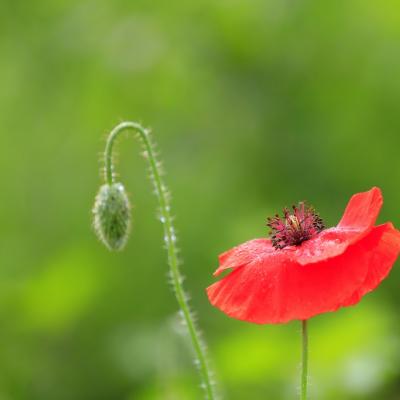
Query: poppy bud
(112,216)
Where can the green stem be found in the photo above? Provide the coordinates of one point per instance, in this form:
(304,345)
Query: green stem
(170,241)
(304,361)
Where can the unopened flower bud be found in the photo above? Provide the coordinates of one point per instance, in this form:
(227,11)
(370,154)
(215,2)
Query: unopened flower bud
(112,216)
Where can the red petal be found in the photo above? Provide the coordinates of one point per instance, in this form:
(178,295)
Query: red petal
(273,288)
(362,210)
(243,254)
(327,244)
(384,256)
(358,218)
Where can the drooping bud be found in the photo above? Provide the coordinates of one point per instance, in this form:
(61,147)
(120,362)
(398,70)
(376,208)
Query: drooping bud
(112,216)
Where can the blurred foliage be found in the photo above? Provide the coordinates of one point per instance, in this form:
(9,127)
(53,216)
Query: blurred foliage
(256,105)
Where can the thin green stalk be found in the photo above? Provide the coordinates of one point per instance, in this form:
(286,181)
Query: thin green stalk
(304,360)
(170,239)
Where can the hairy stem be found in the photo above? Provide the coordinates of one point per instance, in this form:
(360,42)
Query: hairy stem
(304,360)
(162,194)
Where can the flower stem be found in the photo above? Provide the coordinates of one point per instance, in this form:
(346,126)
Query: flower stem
(162,194)
(304,360)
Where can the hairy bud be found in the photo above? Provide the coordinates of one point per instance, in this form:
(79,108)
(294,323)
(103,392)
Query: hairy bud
(112,222)
(112,216)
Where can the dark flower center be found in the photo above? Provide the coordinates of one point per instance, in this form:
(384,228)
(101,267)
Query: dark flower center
(296,226)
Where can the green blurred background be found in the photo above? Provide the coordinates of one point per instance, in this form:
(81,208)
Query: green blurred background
(255,105)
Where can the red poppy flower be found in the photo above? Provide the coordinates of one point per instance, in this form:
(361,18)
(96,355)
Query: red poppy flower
(304,270)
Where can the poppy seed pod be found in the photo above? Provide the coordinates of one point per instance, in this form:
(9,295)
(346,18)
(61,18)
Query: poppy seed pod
(112,216)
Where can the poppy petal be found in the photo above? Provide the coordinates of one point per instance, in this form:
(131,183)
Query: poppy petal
(273,288)
(384,256)
(252,287)
(327,244)
(362,210)
(243,254)
(358,218)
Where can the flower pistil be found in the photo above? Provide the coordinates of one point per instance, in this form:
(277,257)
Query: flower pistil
(296,226)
